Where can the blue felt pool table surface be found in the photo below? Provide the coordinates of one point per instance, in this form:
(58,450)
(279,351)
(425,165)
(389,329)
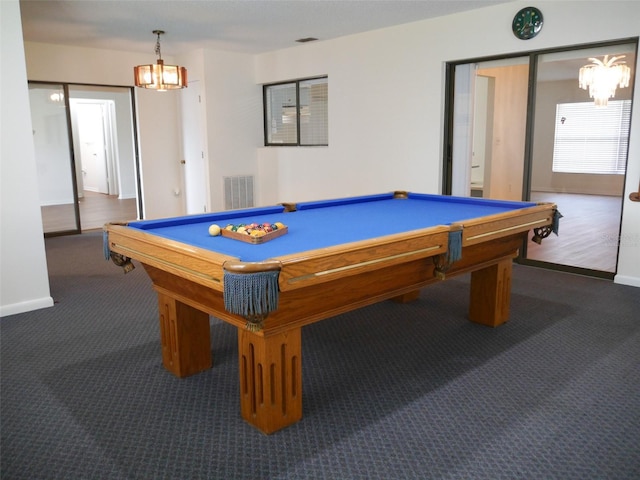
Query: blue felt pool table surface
(322,224)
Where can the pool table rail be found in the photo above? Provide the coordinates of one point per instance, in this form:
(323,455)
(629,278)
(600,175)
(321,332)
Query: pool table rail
(504,224)
(192,263)
(326,264)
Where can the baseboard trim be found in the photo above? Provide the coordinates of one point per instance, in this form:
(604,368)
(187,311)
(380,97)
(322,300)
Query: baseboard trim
(627,280)
(28,306)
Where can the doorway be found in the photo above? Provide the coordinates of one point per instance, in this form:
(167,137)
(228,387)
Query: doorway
(85,156)
(92,125)
(506,137)
(578,160)
(489,129)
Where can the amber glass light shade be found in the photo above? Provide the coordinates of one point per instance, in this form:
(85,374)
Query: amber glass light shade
(159,76)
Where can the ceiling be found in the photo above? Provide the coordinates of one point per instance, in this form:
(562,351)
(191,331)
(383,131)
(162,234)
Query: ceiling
(250,26)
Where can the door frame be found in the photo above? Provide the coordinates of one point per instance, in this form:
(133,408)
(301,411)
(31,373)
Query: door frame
(72,153)
(449,103)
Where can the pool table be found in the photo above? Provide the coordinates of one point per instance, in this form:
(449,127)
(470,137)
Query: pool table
(335,256)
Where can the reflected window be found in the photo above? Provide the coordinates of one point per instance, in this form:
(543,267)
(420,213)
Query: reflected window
(591,139)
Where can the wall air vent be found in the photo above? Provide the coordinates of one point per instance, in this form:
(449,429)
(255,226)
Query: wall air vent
(238,192)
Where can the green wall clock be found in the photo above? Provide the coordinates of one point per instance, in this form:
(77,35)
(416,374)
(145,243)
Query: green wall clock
(527,23)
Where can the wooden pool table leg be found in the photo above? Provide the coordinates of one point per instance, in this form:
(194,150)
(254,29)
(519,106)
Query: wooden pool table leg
(270,379)
(185,337)
(491,294)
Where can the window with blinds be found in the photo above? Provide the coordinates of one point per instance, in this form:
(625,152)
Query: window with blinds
(296,113)
(590,139)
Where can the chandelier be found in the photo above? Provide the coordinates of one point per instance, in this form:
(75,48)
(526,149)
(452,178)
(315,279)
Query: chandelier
(159,76)
(602,77)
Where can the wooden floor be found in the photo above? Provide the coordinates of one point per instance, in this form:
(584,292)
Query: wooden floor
(96,209)
(588,233)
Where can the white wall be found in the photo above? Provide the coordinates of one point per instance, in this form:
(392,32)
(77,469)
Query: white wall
(385,117)
(24,282)
(234,118)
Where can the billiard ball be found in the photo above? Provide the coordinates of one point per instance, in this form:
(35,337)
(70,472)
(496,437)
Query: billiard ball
(214,230)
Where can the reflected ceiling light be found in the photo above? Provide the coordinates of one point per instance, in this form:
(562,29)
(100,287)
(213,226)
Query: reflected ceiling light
(57,97)
(159,76)
(602,77)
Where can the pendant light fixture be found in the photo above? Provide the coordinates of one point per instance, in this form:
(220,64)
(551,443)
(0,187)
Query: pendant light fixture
(158,76)
(602,77)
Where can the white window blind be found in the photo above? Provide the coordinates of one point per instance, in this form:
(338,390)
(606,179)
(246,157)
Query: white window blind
(296,113)
(590,139)
(314,111)
(282,113)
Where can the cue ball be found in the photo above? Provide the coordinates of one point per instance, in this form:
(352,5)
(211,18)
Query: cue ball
(214,230)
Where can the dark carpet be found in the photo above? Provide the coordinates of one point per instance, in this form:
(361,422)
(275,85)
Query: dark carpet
(390,391)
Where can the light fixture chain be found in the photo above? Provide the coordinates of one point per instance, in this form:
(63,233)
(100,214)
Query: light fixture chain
(158,46)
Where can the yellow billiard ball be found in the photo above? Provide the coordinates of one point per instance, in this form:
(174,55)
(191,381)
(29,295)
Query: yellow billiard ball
(214,230)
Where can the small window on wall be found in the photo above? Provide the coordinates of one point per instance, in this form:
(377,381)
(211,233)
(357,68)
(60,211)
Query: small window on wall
(296,113)
(590,139)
